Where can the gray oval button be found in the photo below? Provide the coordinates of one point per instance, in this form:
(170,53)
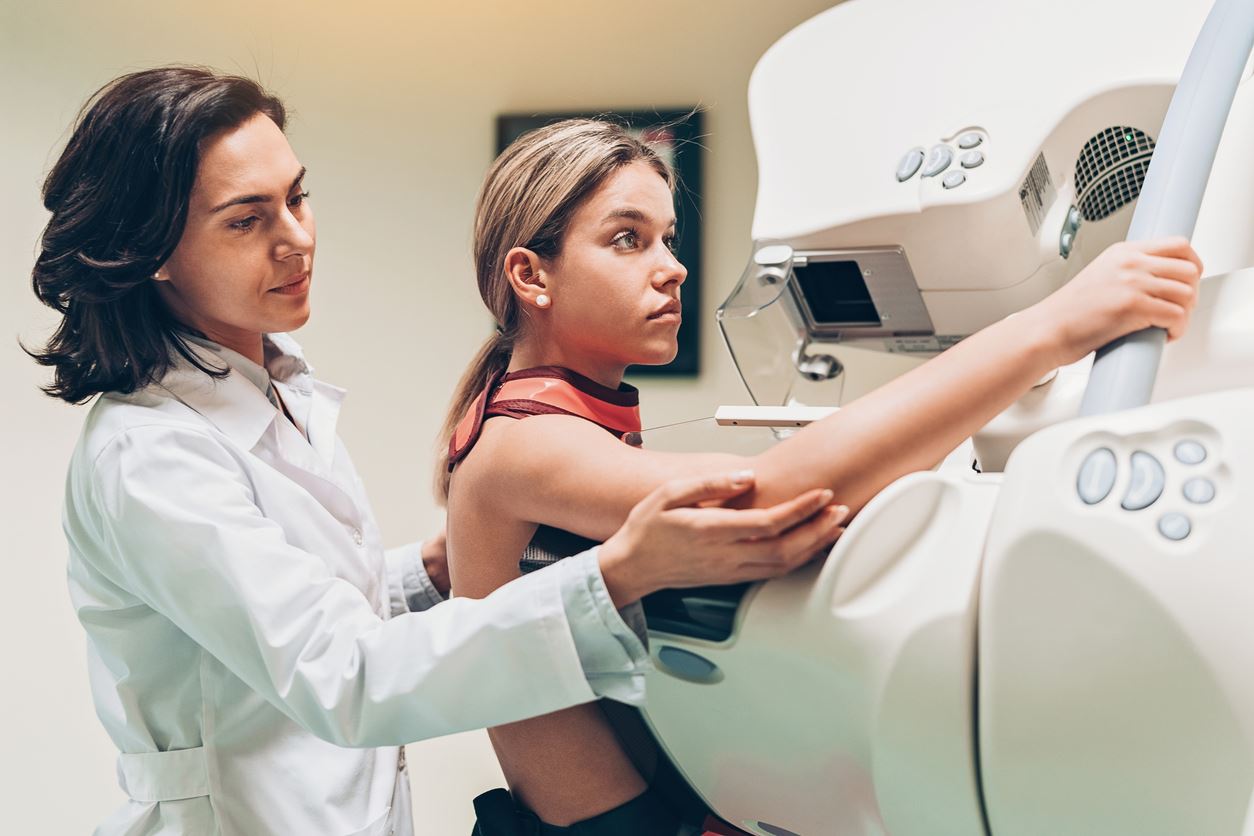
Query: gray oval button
(954,179)
(938,159)
(909,164)
(1174,526)
(1199,491)
(969,140)
(1097,476)
(687,665)
(1190,452)
(1146,484)
(972,159)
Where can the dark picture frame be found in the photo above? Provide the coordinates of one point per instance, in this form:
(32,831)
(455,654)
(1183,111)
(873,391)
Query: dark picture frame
(677,134)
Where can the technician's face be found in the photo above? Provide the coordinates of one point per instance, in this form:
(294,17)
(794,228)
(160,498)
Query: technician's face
(245,262)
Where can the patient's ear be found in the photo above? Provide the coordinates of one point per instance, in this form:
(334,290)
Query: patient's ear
(525,272)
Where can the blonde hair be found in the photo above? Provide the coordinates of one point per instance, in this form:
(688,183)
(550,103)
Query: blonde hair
(527,200)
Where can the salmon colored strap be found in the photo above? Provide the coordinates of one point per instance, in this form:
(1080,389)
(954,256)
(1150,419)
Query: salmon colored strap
(546,390)
(550,391)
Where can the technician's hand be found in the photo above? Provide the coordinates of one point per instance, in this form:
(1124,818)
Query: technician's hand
(1131,286)
(435,560)
(668,542)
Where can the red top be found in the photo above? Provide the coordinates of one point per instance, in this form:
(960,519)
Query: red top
(547,390)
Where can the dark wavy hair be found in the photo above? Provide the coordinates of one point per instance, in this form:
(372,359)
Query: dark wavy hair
(118,195)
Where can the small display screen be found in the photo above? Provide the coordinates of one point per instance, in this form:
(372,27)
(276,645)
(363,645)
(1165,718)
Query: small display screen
(836,294)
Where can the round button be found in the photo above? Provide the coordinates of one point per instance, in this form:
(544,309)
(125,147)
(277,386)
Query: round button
(1199,491)
(1065,243)
(1174,526)
(1190,452)
(357,536)
(909,164)
(1073,219)
(969,140)
(972,159)
(954,179)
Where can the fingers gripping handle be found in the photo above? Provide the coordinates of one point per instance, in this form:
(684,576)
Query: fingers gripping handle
(1124,370)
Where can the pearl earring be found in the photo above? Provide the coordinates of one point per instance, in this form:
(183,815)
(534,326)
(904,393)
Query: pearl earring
(542,301)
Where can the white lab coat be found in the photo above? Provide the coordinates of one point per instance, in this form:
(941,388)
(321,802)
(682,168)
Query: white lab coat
(248,652)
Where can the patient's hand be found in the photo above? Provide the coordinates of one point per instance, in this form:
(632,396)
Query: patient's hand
(435,560)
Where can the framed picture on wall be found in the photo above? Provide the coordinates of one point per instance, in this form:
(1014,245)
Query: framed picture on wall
(676,134)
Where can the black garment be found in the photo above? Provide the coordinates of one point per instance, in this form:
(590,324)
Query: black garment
(645,815)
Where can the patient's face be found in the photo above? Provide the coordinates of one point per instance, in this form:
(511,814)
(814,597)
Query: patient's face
(244,263)
(617,275)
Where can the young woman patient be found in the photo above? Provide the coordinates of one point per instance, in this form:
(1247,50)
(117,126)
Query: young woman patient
(574,255)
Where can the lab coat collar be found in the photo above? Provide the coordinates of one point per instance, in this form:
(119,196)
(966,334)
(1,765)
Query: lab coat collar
(240,409)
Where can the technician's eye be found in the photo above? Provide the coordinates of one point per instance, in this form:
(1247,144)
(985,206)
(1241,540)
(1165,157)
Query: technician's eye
(298,199)
(244,224)
(626,240)
(672,243)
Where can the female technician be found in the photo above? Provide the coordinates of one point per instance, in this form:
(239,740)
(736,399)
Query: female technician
(255,655)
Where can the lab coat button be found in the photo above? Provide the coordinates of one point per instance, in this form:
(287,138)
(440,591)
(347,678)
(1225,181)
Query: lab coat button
(1146,484)
(938,159)
(357,536)
(1097,476)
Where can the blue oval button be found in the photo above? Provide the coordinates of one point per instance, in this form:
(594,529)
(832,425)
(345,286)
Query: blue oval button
(687,665)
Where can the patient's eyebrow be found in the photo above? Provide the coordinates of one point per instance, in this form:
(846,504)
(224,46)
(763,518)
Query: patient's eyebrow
(255,198)
(631,215)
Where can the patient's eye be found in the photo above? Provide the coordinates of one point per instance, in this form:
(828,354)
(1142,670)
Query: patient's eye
(628,239)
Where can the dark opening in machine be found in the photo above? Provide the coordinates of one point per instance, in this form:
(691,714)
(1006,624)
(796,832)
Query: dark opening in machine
(834,293)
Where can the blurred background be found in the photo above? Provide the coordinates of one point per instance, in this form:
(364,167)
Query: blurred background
(393,110)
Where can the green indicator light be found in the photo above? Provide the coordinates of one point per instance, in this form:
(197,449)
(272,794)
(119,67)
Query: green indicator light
(1128,137)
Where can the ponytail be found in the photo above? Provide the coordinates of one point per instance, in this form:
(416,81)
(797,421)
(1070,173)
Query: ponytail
(492,359)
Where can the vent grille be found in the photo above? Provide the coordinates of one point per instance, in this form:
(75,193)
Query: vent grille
(1117,189)
(1111,169)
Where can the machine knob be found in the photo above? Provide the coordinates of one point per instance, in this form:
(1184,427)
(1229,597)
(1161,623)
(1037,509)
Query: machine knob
(819,367)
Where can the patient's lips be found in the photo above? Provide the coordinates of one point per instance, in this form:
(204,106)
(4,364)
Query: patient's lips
(669,312)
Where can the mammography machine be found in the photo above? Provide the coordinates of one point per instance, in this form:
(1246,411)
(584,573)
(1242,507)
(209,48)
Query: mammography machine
(1060,639)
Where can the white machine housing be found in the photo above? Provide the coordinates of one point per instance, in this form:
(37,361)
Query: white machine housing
(849,699)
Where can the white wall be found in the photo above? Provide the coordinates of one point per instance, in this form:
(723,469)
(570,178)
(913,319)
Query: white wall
(392,111)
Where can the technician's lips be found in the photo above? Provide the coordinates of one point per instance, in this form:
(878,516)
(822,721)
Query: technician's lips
(296,284)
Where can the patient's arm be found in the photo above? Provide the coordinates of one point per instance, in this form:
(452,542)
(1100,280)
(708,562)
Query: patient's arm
(562,471)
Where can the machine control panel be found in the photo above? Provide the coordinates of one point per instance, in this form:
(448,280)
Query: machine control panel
(1147,478)
(937,159)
